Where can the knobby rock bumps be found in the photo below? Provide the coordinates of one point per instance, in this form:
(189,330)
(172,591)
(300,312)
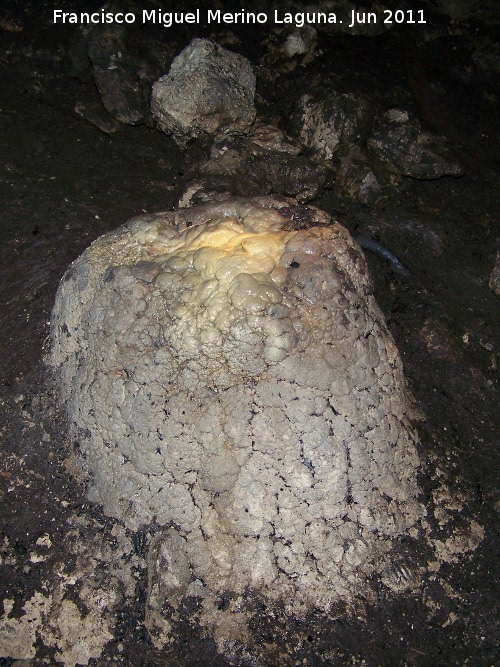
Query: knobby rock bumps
(229,376)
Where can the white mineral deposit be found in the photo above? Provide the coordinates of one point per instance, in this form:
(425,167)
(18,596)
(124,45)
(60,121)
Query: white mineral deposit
(230,378)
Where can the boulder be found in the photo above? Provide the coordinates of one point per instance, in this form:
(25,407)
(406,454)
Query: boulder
(331,122)
(401,141)
(207,90)
(231,380)
(264,162)
(364,179)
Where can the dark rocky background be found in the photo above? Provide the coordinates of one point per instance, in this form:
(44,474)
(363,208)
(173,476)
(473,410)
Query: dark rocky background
(64,181)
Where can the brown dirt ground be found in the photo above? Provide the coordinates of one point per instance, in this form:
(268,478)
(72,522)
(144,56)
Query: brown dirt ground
(63,183)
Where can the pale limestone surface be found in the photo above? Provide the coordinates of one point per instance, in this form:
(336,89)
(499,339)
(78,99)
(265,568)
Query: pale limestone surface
(230,377)
(207,90)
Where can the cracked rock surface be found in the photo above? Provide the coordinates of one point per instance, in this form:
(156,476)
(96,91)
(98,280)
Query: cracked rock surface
(207,90)
(230,377)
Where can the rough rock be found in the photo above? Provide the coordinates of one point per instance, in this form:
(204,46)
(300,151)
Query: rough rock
(122,69)
(330,123)
(230,378)
(364,179)
(207,90)
(288,46)
(116,78)
(301,42)
(262,163)
(400,140)
(93,111)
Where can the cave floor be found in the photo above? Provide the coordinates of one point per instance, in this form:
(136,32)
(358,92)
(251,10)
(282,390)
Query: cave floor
(63,183)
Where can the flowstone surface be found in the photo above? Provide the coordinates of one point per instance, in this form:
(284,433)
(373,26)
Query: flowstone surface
(230,379)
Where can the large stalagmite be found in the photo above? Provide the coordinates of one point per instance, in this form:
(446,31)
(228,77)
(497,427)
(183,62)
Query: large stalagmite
(230,378)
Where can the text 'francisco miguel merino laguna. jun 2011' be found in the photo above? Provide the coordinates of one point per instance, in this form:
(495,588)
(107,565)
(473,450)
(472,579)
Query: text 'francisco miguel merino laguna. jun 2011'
(217,16)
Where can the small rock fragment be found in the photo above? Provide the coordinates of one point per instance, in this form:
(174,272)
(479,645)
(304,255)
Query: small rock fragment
(362,178)
(94,112)
(402,142)
(331,124)
(264,162)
